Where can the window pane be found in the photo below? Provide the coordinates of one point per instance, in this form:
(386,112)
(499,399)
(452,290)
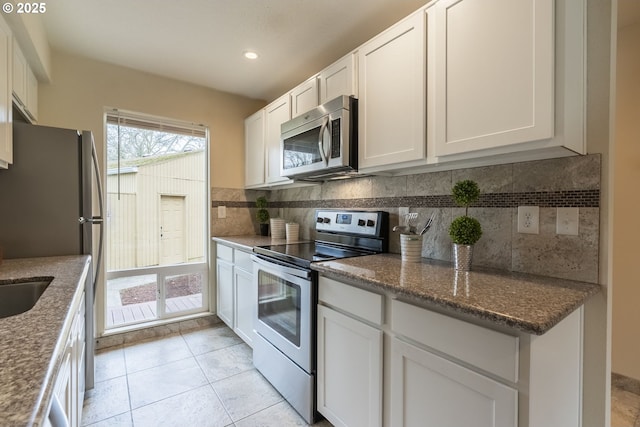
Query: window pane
(183,292)
(156,219)
(131,299)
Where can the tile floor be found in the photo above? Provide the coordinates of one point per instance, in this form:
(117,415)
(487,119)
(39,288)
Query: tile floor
(625,402)
(205,378)
(202,378)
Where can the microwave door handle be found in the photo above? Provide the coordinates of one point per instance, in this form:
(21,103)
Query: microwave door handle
(323,155)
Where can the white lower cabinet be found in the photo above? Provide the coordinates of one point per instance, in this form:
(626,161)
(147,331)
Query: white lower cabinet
(349,370)
(69,385)
(237,294)
(225,293)
(428,390)
(246,304)
(382,361)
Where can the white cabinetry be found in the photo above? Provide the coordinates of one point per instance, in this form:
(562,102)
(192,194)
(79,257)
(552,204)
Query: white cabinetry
(25,84)
(246,296)
(254,150)
(224,284)
(427,389)
(69,385)
(340,78)
(391,88)
(237,294)
(430,390)
(490,73)
(349,356)
(276,113)
(304,97)
(440,370)
(6,129)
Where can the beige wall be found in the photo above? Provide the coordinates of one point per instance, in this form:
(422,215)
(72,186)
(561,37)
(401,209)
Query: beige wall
(626,233)
(82,88)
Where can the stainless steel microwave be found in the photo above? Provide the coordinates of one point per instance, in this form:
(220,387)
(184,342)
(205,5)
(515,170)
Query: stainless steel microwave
(322,143)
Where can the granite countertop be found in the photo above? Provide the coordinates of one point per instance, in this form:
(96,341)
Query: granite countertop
(531,304)
(247,242)
(31,343)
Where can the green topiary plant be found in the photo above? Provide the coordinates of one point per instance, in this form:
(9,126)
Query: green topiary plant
(465,230)
(262,215)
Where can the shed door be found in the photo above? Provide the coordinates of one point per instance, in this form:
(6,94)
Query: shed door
(172,230)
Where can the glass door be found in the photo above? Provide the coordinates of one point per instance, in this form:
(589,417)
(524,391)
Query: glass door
(156,251)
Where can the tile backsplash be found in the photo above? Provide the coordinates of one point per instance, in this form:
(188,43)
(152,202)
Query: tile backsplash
(549,184)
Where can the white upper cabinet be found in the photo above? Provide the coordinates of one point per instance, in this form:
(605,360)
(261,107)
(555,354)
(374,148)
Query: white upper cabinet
(19,74)
(391,88)
(254,149)
(32,94)
(340,78)
(491,73)
(25,84)
(276,113)
(6,129)
(304,97)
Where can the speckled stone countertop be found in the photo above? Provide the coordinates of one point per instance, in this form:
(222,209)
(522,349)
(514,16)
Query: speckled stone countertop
(31,343)
(531,304)
(247,242)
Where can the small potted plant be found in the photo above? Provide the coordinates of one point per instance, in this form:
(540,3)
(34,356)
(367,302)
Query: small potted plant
(465,231)
(262,215)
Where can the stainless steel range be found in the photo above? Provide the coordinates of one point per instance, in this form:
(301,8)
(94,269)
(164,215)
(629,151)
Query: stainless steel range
(285,347)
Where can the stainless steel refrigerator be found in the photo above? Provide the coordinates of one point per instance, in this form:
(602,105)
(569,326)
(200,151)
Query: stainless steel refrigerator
(47,204)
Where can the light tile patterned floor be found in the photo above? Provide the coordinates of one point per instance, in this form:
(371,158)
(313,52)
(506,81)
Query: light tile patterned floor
(201,378)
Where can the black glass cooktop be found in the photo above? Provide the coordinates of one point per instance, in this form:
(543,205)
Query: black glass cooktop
(303,254)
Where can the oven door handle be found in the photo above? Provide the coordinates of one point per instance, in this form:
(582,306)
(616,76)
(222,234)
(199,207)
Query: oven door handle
(282,267)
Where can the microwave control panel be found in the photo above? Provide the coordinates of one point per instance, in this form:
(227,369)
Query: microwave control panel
(351,222)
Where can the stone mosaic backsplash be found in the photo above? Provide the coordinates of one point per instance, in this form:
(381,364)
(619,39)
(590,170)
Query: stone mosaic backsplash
(549,184)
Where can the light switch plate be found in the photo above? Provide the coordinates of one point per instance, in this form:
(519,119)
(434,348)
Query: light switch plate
(529,219)
(222,212)
(567,220)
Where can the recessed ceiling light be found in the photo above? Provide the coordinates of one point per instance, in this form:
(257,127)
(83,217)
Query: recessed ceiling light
(250,55)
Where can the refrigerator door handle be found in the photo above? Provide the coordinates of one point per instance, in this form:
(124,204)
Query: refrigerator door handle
(99,219)
(93,220)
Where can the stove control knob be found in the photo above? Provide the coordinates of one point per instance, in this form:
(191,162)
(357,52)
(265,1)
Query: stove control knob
(370,223)
(326,220)
(319,220)
(361,222)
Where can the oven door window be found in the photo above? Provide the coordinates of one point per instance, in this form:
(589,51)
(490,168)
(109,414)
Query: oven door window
(279,305)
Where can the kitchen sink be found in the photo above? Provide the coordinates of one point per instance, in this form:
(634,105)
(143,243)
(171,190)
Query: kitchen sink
(19,296)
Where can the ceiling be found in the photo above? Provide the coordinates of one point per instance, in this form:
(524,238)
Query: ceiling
(202,41)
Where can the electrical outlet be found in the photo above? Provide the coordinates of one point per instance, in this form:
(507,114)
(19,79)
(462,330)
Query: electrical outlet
(222,212)
(567,221)
(528,219)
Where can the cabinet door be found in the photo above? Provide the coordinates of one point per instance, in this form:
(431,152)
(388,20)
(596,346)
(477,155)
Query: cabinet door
(349,370)
(338,79)
(391,87)
(427,390)
(304,97)
(492,69)
(254,149)
(6,128)
(224,285)
(32,94)
(19,74)
(276,113)
(246,304)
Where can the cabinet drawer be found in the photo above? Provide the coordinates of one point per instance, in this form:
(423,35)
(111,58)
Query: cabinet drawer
(243,260)
(487,349)
(352,300)
(224,252)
